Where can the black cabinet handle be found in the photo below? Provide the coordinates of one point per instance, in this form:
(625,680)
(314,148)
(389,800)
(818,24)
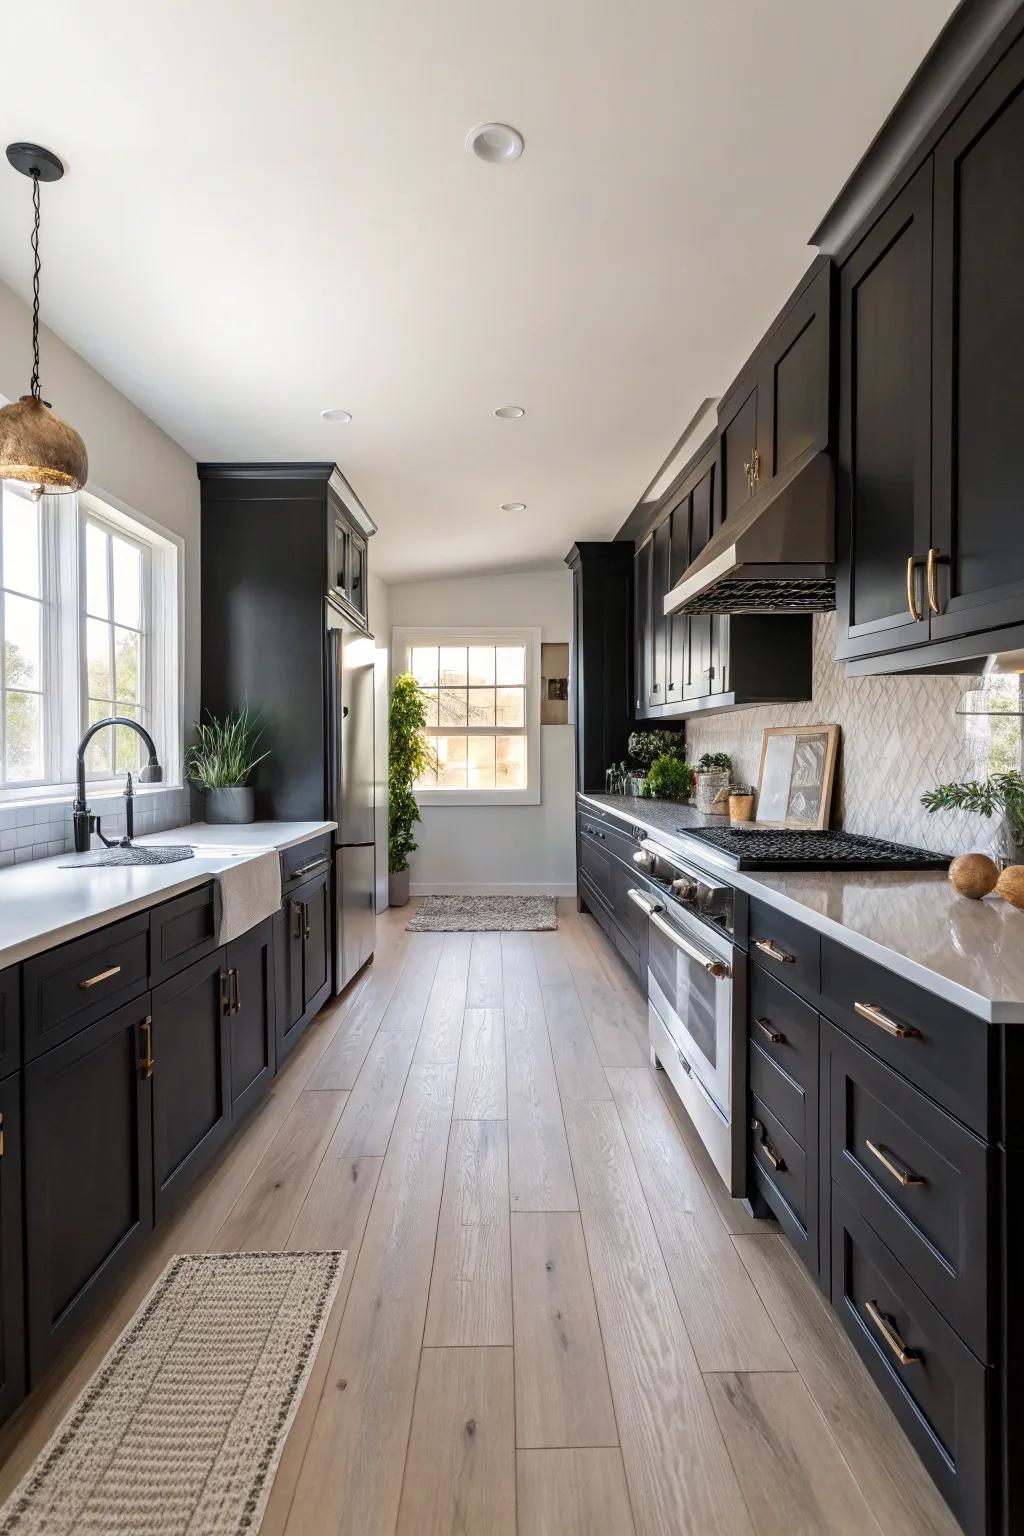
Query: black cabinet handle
(305,920)
(297,914)
(307,869)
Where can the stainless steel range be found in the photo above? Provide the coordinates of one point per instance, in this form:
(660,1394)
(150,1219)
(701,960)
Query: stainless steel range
(760,848)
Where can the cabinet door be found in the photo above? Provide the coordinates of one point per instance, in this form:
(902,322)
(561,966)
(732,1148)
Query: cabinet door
(885,427)
(316,940)
(738,436)
(12,1296)
(249,962)
(10,1020)
(88,1172)
(191,1083)
(642,622)
(978,342)
(793,397)
(289,925)
(679,624)
(660,563)
(697,675)
(357,572)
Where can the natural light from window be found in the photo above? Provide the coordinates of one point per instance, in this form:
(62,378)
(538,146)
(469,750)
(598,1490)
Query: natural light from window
(475,700)
(22,726)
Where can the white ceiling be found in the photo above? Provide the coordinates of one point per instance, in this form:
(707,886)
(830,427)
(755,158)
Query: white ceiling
(269,211)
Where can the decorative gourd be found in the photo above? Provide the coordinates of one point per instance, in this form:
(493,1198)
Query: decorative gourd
(1010,885)
(974,875)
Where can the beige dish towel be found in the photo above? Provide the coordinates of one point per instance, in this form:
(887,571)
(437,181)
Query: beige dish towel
(248,891)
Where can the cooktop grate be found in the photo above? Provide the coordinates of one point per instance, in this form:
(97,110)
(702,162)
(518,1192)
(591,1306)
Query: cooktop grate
(813,850)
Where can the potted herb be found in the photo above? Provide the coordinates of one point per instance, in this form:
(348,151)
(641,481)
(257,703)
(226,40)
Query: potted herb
(714,773)
(220,761)
(409,758)
(1002,792)
(645,746)
(668,778)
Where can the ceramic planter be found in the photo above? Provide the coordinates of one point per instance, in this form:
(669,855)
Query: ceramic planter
(398,888)
(229,807)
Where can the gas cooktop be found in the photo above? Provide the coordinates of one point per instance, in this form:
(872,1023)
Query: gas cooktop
(758,849)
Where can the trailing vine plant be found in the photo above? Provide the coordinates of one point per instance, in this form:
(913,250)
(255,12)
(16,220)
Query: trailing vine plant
(409,758)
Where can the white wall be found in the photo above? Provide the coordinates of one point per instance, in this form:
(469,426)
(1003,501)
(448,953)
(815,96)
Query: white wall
(499,849)
(130,459)
(378,596)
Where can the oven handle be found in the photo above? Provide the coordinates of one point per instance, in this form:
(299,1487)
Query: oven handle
(711,963)
(645,903)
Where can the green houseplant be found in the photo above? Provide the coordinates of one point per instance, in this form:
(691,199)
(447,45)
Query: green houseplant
(409,758)
(221,760)
(1002,792)
(668,778)
(645,746)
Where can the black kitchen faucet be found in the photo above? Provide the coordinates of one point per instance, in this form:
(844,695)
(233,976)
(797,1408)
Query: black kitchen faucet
(84,821)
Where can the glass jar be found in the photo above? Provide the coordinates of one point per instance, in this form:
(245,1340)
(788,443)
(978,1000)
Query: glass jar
(713,792)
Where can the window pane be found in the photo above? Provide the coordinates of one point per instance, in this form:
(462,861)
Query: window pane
(95,571)
(127,583)
(481,762)
(21,544)
(511,706)
(510,762)
(428,779)
(127,746)
(510,664)
(424,665)
(481,706)
(429,697)
(126,666)
(451,762)
(451,707)
(97,651)
(481,666)
(453,666)
(99,752)
(24,737)
(22,661)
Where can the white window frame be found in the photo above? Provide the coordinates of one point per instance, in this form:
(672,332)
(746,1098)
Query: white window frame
(144,704)
(402,641)
(13,788)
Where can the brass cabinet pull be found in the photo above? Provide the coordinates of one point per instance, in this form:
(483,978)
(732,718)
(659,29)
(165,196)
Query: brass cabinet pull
(874,1015)
(236,1001)
(146,1061)
(901,1175)
(748,471)
(756,467)
(774,1035)
(932,581)
(225,991)
(308,869)
(769,947)
(297,914)
(915,612)
(767,1148)
(93,981)
(904,1355)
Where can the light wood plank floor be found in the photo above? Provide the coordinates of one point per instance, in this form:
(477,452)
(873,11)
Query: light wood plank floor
(554,1321)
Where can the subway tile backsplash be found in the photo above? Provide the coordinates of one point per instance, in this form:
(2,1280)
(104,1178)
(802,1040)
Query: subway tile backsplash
(41,831)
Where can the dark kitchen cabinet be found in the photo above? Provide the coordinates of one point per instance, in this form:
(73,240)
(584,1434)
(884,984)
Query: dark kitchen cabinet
(701,628)
(660,566)
(347,558)
(10,1020)
(12,1294)
(737,432)
(303,960)
(601,667)
(643,626)
(190,1075)
(88,1151)
(251,982)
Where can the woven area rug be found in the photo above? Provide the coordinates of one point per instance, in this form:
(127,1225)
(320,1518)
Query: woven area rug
(182,1427)
(484,914)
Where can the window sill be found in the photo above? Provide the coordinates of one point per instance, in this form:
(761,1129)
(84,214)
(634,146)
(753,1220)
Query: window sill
(464,797)
(60,794)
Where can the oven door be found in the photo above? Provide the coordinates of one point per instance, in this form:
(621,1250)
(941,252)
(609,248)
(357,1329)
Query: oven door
(689,984)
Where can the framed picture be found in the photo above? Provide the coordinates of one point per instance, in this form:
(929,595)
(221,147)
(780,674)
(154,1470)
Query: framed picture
(794,782)
(554,683)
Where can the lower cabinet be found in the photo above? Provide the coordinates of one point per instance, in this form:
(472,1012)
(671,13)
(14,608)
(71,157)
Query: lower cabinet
(249,964)
(303,958)
(190,1076)
(88,1149)
(12,1303)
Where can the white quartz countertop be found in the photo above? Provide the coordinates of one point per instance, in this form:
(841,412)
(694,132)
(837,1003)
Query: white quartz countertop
(970,952)
(43,903)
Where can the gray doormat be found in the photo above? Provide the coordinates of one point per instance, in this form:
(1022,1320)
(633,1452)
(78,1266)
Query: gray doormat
(484,914)
(182,1427)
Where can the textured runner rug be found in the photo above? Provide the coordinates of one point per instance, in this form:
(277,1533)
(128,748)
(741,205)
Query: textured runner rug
(182,1426)
(484,914)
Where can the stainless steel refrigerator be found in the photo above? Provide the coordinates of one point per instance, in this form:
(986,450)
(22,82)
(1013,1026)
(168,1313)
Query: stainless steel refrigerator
(350,790)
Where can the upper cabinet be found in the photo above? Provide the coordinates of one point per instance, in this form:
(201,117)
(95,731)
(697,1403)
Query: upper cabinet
(346,551)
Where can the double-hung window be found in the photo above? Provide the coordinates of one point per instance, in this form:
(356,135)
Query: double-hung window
(481,698)
(114,642)
(26,746)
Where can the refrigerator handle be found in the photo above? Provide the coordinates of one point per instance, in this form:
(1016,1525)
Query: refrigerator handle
(334,726)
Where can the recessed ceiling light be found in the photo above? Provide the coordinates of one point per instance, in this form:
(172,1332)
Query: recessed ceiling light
(496,143)
(336,414)
(513,506)
(510,412)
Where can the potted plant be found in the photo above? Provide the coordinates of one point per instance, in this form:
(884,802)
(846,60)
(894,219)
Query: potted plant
(645,746)
(220,761)
(409,758)
(1000,792)
(668,778)
(714,772)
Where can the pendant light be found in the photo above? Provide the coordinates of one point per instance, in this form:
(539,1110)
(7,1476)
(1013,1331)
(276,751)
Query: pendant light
(35,444)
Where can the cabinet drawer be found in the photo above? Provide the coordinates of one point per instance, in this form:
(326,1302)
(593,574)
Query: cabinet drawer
(939,1392)
(10,1020)
(784,1096)
(597,865)
(781,1159)
(947,1053)
(786,949)
(181,931)
(919,1177)
(784,1031)
(304,861)
(71,986)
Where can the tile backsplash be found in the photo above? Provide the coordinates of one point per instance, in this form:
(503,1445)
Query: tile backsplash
(40,831)
(900,736)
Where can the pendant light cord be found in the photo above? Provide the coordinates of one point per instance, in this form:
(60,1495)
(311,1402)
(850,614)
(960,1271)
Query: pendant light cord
(35,385)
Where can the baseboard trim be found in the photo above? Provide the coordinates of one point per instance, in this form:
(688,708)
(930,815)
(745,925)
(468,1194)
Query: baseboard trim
(485,888)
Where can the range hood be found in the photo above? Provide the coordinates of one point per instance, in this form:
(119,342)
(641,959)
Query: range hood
(775,555)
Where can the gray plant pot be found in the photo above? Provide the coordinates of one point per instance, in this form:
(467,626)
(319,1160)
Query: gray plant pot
(398,888)
(229,807)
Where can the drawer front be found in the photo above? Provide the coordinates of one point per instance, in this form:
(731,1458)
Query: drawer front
(10,1020)
(785,1028)
(921,1180)
(784,1096)
(786,949)
(304,861)
(597,864)
(182,931)
(781,1159)
(71,986)
(946,1053)
(939,1392)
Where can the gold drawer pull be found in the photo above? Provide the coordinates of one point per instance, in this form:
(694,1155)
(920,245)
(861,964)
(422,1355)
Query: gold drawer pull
(933,580)
(92,981)
(146,1063)
(901,1175)
(774,1035)
(769,947)
(767,1148)
(904,1355)
(874,1015)
(915,612)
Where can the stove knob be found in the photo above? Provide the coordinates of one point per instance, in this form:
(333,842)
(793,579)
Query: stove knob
(685,889)
(643,860)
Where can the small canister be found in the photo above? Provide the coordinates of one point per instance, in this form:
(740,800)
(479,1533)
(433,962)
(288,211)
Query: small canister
(741,804)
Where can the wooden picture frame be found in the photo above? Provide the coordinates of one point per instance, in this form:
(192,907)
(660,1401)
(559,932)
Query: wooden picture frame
(796,776)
